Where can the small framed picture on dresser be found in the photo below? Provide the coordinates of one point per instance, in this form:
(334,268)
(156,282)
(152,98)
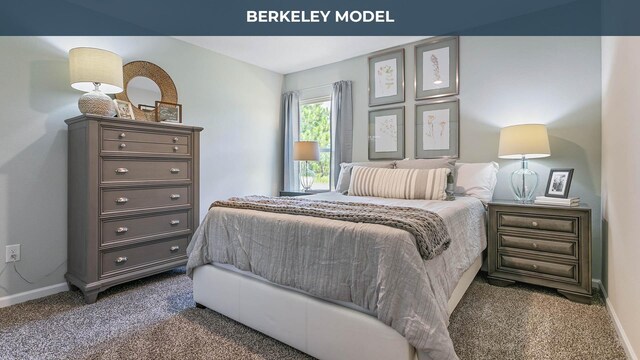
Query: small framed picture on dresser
(168,112)
(559,183)
(124,109)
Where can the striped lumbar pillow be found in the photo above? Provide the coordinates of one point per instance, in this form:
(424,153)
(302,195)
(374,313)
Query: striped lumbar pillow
(427,184)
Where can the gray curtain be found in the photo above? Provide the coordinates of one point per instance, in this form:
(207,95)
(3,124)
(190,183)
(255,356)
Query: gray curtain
(291,121)
(342,125)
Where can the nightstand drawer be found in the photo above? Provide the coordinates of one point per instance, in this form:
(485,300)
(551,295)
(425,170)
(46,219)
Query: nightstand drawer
(564,225)
(567,247)
(510,262)
(117,260)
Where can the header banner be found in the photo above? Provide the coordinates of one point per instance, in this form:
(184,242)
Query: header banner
(319,17)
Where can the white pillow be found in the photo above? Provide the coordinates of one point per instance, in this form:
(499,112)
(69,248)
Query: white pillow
(344,178)
(477,179)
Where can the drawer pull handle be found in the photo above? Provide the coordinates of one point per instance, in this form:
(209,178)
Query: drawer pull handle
(534,223)
(175,139)
(123,145)
(122,200)
(122,135)
(122,170)
(174,170)
(175,148)
(535,267)
(121,260)
(174,222)
(175,196)
(174,248)
(535,246)
(122,230)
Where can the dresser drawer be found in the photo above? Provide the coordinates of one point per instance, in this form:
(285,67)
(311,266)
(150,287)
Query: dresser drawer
(530,266)
(120,200)
(114,231)
(141,147)
(121,259)
(549,246)
(121,170)
(562,225)
(125,134)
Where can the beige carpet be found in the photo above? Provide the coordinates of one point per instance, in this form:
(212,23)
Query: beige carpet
(154,318)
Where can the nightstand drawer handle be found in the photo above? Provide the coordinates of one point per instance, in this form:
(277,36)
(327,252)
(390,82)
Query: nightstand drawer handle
(175,139)
(123,145)
(174,170)
(122,200)
(535,246)
(122,170)
(535,267)
(121,260)
(174,248)
(534,223)
(122,135)
(175,196)
(122,230)
(175,148)
(174,222)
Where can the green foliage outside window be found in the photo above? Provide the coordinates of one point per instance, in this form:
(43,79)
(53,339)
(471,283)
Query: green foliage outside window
(315,125)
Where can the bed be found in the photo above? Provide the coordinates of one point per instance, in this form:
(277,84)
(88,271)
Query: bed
(370,295)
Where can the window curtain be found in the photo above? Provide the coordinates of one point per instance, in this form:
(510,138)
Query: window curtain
(342,125)
(291,121)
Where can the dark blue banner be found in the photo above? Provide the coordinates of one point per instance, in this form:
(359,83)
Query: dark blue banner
(326,17)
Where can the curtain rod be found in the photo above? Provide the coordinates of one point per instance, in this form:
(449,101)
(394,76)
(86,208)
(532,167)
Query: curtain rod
(315,87)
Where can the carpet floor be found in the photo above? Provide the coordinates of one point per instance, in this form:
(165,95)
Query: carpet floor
(155,318)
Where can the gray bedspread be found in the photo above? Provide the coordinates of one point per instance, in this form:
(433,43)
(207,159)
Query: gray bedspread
(373,266)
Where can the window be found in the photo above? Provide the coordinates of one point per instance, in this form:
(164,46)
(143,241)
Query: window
(315,125)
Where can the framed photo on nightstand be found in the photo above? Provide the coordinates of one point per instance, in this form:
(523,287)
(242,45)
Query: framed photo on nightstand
(559,183)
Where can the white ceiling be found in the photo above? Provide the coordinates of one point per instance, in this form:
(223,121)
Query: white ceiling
(288,54)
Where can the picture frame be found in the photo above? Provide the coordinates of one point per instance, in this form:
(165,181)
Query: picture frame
(437,68)
(437,129)
(386,77)
(148,111)
(124,109)
(559,183)
(386,134)
(168,112)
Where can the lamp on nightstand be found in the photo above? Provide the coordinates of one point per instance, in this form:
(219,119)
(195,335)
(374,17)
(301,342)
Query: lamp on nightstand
(306,151)
(96,72)
(524,142)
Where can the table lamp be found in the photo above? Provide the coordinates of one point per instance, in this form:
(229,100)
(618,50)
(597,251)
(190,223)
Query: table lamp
(97,72)
(524,142)
(306,151)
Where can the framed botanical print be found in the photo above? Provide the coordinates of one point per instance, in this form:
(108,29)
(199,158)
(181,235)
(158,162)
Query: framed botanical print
(386,78)
(559,183)
(437,68)
(386,134)
(438,129)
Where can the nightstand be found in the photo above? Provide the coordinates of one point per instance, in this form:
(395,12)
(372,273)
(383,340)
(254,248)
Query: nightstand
(541,245)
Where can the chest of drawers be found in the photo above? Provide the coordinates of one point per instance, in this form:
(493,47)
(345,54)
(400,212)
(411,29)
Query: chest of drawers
(133,192)
(542,245)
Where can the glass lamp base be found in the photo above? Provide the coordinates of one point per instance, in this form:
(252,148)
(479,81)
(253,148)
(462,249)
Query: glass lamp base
(523,184)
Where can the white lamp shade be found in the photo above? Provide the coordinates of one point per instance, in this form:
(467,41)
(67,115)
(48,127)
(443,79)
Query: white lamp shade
(89,65)
(306,151)
(529,141)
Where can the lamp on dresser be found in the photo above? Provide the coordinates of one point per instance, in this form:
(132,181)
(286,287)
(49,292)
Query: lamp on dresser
(97,72)
(524,142)
(306,151)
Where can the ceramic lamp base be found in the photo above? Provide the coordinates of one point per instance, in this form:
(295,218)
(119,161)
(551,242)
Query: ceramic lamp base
(96,103)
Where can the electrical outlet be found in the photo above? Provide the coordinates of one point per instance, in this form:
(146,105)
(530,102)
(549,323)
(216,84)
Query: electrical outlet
(12,253)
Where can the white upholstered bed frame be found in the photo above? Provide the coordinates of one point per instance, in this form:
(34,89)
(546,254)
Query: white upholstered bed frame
(319,328)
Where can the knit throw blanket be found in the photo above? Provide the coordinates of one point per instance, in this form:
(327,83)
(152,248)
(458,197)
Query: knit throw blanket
(428,228)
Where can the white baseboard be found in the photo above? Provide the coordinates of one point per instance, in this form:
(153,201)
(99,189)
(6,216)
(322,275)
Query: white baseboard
(626,344)
(33,294)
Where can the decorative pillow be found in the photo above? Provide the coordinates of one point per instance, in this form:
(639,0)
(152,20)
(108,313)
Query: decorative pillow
(399,183)
(344,179)
(477,179)
(426,164)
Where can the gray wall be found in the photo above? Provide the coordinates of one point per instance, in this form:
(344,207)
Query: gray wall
(237,104)
(506,81)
